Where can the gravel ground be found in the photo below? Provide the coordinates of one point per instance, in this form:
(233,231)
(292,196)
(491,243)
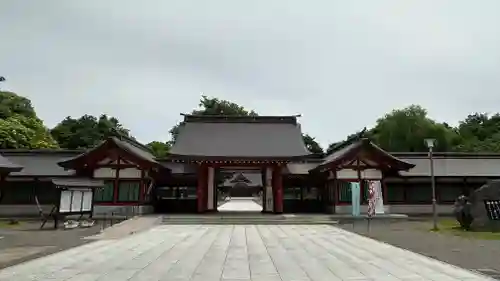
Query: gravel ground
(25,241)
(473,254)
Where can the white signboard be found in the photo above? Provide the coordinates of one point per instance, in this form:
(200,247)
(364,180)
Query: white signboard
(75,200)
(65,203)
(87,201)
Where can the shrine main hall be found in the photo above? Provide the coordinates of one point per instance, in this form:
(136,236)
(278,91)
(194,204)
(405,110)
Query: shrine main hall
(214,156)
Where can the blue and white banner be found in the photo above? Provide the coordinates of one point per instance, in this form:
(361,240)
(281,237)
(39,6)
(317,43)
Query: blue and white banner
(356,192)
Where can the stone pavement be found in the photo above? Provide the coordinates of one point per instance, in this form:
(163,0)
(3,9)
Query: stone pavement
(242,252)
(414,235)
(240,204)
(128,227)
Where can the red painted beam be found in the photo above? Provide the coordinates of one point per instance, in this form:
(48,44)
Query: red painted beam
(278,189)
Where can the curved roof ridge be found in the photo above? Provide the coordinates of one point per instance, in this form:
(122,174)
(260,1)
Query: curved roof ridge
(292,119)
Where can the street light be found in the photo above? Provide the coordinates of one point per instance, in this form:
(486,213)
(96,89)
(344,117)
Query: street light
(430,143)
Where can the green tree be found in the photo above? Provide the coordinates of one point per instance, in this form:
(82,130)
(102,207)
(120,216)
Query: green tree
(361,134)
(404,130)
(19,125)
(479,132)
(215,106)
(312,145)
(160,149)
(86,131)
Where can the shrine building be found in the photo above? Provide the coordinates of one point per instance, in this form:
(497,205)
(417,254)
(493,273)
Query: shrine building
(262,156)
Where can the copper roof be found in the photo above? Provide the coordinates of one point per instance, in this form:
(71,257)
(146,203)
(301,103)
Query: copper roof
(263,137)
(355,148)
(125,143)
(6,166)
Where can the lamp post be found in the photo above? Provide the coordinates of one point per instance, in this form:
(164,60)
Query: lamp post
(430,143)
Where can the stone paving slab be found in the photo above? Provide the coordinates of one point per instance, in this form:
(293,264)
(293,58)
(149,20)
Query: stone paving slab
(15,253)
(238,252)
(240,204)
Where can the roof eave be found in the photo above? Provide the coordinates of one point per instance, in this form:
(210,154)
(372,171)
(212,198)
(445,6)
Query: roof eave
(12,169)
(109,143)
(393,162)
(233,158)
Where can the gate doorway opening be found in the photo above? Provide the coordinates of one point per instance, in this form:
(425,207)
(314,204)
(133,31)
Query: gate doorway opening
(239,190)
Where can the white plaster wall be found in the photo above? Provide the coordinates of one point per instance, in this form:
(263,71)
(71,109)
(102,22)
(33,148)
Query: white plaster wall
(299,168)
(104,173)
(352,174)
(454,167)
(129,173)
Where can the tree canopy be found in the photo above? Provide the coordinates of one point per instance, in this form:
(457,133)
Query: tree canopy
(214,106)
(160,149)
(86,131)
(401,130)
(19,125)
(478,133)
(405,130)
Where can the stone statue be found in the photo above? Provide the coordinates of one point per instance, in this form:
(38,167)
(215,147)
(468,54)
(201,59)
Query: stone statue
(462,211)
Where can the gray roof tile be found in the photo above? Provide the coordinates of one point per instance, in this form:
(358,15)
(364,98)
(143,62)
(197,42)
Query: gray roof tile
(351,150)
(280,138)
(125,143)
(39,163)
(136,149)
(8,166)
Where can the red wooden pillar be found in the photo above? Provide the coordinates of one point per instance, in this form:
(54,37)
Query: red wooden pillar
(278,189)
(384,192)
(142,187)
(201,189)
(116,185)
(336,191)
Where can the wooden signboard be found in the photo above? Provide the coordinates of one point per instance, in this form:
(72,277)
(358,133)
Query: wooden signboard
(75,198)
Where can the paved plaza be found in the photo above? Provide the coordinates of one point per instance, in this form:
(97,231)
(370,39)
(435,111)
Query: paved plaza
(241,204)
(242,252)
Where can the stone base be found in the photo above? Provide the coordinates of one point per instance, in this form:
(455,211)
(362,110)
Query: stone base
(101,211)
(421,209)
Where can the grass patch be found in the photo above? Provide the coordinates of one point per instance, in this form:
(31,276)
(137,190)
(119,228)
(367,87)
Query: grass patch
(452,227)
(9,223)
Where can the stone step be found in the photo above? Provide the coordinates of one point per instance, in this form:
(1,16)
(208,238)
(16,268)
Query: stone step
(244,222)
(263,219)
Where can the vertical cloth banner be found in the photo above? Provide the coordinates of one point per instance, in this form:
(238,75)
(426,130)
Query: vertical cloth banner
(379,199)
(371,199)
(355,191)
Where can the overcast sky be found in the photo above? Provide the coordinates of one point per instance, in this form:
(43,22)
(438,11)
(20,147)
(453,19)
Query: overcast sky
(341,64)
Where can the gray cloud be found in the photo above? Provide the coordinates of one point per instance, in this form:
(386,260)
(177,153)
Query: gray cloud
(342,64)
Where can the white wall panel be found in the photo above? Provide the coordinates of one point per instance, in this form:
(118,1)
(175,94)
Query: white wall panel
(104,173)
(454,167)
(129,173)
